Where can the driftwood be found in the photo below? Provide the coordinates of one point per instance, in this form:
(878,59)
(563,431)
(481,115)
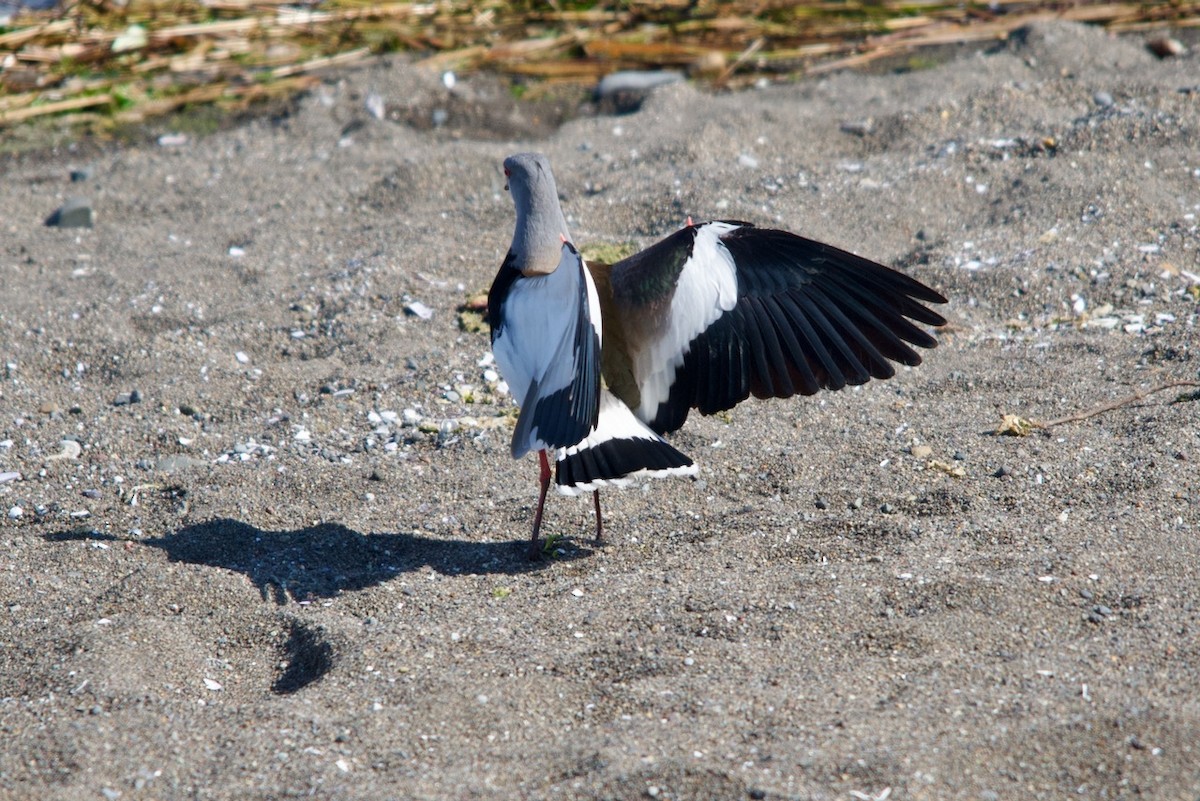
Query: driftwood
(108,56)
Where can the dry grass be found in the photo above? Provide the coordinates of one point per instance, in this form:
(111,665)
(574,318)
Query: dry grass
(108,63)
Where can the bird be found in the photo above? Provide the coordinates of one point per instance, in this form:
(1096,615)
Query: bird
(604,361)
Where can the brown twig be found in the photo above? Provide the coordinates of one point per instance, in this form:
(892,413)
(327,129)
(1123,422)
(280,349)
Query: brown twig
(1108,407)
(70,104)
(742,58)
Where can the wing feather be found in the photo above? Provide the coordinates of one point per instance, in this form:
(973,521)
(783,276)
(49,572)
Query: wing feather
(719,311)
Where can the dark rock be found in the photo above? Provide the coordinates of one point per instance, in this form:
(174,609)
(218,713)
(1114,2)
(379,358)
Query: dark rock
(75,213)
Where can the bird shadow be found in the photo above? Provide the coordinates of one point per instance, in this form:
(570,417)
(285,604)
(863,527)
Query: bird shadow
(327,559)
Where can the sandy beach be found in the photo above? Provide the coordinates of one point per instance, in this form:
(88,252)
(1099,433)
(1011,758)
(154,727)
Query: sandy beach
(266,539)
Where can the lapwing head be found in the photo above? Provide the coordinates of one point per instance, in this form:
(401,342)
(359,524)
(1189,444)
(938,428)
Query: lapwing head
(541,228)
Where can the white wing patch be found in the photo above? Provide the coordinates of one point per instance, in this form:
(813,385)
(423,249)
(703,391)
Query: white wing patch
(707,288)
(593,301)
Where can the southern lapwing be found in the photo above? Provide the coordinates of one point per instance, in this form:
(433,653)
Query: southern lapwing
(603,360)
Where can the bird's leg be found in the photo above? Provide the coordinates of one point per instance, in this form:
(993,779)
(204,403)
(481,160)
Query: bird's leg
(599,520)
(544,479)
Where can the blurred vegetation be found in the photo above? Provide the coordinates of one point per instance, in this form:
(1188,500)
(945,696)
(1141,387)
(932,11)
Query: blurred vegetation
(107,62)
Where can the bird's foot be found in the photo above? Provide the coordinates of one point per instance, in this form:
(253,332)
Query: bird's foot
(535,552)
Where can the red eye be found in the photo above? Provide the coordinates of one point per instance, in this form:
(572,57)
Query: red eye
(507,174)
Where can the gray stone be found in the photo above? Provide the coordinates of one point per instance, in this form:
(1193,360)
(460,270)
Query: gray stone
(858,127)
(635,81)
(175,463)
(75,213)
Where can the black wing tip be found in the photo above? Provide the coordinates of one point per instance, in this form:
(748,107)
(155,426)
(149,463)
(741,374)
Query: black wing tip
(919,291)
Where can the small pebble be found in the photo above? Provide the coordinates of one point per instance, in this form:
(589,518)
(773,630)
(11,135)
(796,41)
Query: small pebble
(70,450)
(174,463)
(856,503)
(1102,99)
(1166,47)
(887,508)
(821,503)
(858,127)
(921,451)
(91,493)
(419,309)
(375,105)
(15,513)
(1002,471)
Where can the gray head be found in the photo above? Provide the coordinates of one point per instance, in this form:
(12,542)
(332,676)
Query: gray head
(537,239)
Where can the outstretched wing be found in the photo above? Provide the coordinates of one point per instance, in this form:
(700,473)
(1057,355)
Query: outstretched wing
(546,337)
(720,311)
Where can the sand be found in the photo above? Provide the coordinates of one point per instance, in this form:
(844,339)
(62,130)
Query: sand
(258,582)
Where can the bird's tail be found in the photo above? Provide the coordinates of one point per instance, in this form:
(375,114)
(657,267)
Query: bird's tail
(618,452)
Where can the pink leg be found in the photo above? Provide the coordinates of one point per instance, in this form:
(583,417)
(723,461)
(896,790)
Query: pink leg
(544,478)
(599,520)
